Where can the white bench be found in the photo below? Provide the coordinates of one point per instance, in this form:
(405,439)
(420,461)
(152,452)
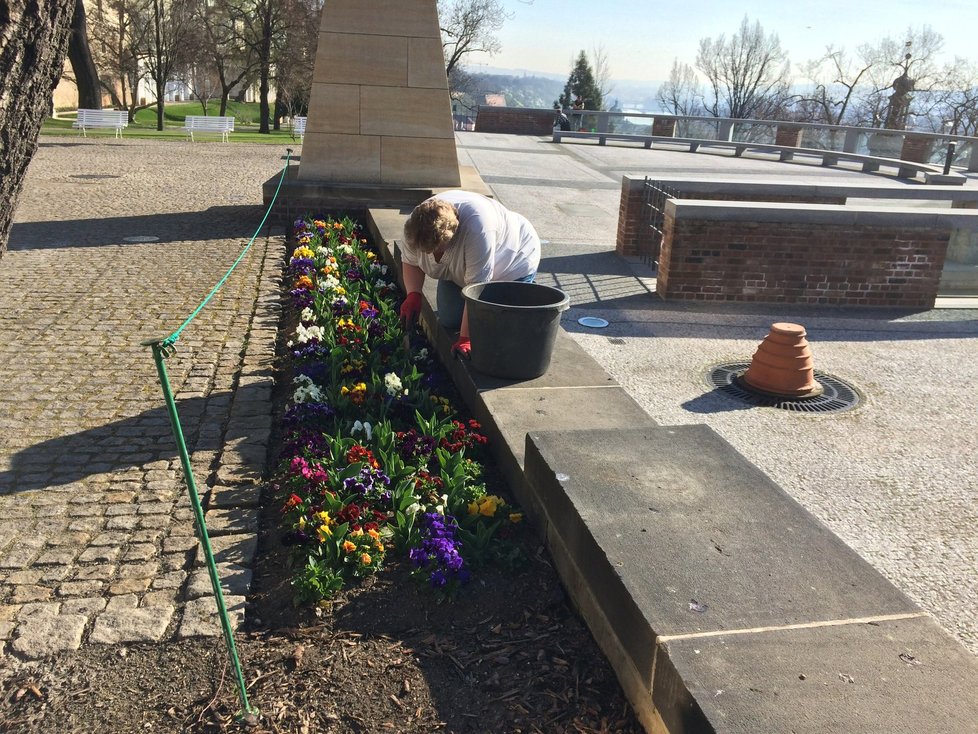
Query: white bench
(202,124)
(299,127)
(114,119)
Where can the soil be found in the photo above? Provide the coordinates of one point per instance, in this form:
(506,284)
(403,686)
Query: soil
(508,655)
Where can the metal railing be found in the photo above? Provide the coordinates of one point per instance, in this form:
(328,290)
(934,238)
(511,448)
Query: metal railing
(842,138)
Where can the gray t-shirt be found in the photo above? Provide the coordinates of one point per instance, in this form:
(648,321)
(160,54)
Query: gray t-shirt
(491,244)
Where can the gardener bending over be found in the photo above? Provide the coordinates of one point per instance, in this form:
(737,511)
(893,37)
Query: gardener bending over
(462,238)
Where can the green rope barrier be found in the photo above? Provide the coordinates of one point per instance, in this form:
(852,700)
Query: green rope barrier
(170,340)
(163,349)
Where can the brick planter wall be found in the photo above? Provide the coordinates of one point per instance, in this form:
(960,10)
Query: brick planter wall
(917,148)
(634,235)
(514,121)
(800,262)
(788,135)
(664,126)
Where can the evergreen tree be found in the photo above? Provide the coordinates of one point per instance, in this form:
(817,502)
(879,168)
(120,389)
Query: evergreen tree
(581,83)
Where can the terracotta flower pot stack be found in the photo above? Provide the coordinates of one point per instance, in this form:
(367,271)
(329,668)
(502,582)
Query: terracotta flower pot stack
(783,365)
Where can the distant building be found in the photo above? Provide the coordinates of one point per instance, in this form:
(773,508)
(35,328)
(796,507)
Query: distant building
(495,100)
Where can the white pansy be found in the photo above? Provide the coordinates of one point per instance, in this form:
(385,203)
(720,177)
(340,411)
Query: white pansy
(304,334)
(307,315)
(393,384)
(322,251)
(307,392)
(412,509)
(421,355)
(365,427)
(344,250)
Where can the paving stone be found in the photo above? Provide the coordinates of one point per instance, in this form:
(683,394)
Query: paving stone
(80,588)
(94,573)
(200,618)
(27,576)
(177,561)
(171,580)
(122,602)
(29,593)
(139,552)
(150,535)
(6,630)
(164,598)
(53,574)
(131,625)
(47,609)
(246,496)
(233,520)
(73,538)
(58,556)
(113,538)
(103,554)
(238,474)
(86,524)
(179,543)
(155,508)
(135,585)
(88,607)
(18,556)
(122,522)
(41,635)
(138,570)
(237,549)
(235,581)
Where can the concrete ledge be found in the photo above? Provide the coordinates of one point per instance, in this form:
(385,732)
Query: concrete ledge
(645,525)
(750,211)
(759,187)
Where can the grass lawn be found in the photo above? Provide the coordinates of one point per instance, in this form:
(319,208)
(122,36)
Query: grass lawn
(245,124)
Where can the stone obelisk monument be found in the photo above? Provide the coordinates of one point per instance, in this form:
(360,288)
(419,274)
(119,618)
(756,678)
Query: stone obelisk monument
(379,111)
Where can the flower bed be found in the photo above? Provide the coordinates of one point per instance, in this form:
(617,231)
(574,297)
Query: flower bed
(375,459)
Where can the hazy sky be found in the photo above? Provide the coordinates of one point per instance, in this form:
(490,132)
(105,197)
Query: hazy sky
(642,37)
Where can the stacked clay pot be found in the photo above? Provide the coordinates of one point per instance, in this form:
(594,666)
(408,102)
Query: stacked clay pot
(783,365)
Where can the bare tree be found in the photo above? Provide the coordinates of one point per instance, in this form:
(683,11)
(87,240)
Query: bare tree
(681,93)
(118,36)
(956,109)
(836,79)
(469,26)
(82,65)
(748,75)
(169,37)
(602,70)
(33,46)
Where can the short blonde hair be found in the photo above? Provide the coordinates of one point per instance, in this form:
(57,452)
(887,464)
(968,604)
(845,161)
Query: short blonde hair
(432,223)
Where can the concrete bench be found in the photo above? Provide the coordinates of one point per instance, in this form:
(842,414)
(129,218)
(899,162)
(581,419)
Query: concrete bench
(870,164)
(107,119)
(299,128)
(223,126)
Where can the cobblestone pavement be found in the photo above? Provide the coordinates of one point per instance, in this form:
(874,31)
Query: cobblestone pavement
(115,242)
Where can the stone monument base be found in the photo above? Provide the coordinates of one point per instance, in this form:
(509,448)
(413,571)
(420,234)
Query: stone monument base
(301,197)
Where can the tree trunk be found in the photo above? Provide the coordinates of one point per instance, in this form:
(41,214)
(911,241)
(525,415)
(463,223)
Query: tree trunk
(80,56)
(33,45)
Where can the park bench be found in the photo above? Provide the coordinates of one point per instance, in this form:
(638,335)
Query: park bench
(870,164)
(299,127)
(201,124)
(109,119)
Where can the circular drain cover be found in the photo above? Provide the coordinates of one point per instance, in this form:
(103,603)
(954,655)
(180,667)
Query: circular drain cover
(837,397)
(594,322)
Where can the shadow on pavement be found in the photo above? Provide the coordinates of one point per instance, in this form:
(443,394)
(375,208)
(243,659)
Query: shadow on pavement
(124,444)
(219,222)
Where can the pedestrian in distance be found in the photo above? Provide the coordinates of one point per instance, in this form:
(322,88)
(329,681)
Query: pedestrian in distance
(461,238)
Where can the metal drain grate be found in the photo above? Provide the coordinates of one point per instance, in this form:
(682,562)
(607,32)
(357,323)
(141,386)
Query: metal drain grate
(838,396)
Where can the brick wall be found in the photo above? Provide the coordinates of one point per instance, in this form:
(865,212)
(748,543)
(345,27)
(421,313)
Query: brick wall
(664,126)
(788,135)
(916,148)
(514,121)
(798,262)
(634,236)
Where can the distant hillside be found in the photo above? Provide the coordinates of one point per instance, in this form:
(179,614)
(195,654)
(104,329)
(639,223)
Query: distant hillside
(519,91)
(539,91)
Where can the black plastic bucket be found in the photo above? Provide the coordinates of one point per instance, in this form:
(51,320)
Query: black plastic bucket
(513,327)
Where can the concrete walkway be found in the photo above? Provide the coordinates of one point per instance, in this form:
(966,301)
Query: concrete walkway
(115,242)
(896,479)
(96,540)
